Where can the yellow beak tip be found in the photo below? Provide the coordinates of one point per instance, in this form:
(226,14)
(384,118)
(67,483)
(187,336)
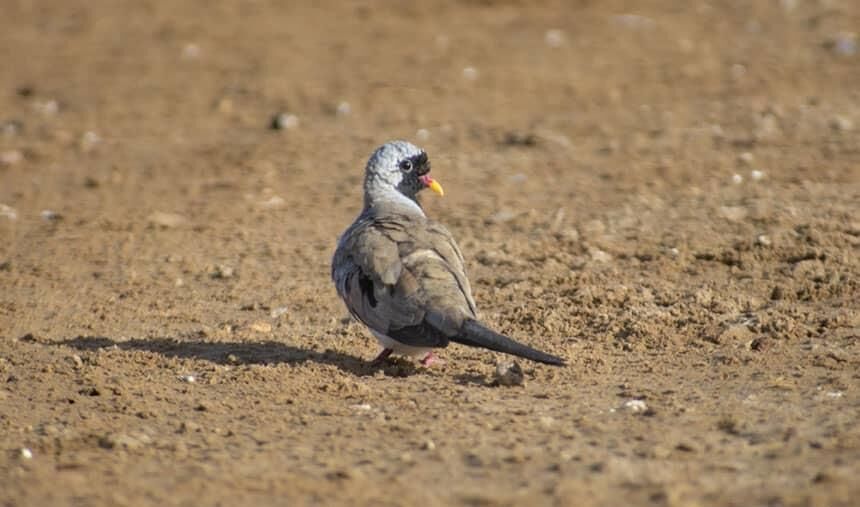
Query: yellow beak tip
(436,187)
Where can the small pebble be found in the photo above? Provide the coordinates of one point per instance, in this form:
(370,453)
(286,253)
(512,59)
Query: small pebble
(546,421)
(554,38)
(166,220)
(429,445)
(361,406)
(89,141)
(279,311)
(503,216)
(508,374)
(190,51)
(756,175)
(470,73)
(284,121)
(47,107)
(343,108)
(841,124)
(763,240)
(599,255)
(224,105)
(11,157)
(788,5)
(50,216)
(633,21)
(8,212)
(274,202)
(737,179)
(422,135)
(733,213)
(636,406)
(746,158)
(79,363)
(844,44)
(26,453)
(835,394)
(221,271)
(179,282)
(188,378)
(11,128)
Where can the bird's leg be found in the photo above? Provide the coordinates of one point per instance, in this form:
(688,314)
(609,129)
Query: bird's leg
(381,357)
(430,359)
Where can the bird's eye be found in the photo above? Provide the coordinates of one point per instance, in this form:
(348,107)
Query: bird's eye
(406,166)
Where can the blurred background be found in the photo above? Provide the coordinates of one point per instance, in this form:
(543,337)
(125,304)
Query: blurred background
(658,190)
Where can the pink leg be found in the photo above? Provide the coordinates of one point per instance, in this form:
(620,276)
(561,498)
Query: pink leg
(381,357)
(430,359)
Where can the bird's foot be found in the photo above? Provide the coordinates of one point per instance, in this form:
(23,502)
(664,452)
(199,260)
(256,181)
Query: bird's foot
(430,359)
(381,357)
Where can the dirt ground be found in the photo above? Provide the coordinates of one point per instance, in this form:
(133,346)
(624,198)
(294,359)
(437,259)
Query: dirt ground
(665,193)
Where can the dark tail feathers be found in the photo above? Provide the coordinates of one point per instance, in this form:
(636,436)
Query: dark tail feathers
(474,334)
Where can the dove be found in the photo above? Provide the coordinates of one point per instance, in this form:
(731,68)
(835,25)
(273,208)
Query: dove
(402,274)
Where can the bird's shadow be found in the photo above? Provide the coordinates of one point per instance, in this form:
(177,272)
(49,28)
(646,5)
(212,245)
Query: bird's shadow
(238,353)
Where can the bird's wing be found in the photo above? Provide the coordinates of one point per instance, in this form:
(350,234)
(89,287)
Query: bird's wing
(403,276)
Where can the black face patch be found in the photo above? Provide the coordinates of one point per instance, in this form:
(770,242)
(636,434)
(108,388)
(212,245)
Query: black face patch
(411,169)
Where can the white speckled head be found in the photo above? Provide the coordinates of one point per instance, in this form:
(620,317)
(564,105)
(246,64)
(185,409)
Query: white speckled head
(396,169)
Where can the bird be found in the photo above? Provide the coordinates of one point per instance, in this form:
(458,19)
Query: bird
(402,274)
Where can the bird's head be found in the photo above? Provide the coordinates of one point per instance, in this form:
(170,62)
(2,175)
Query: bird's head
(398,166)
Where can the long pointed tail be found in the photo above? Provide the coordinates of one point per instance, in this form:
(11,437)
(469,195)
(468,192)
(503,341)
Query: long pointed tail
(474,334)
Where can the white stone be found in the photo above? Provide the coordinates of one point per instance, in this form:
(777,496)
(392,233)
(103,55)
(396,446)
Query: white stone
(554,38)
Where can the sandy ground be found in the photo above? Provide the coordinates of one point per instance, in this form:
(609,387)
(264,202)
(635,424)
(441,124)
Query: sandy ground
(665,193)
